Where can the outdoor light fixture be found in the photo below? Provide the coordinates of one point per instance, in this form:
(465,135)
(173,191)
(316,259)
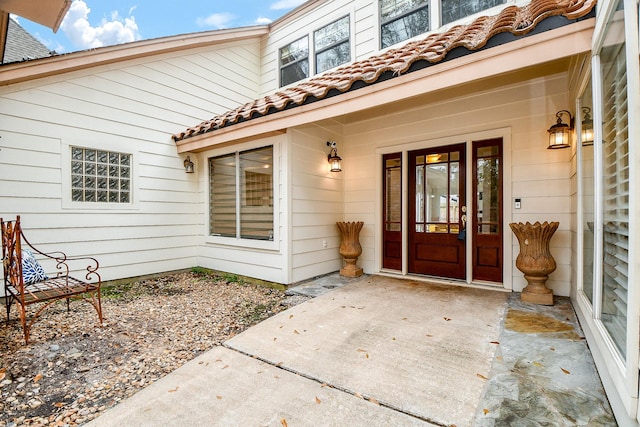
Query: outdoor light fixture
(188,165)
(560,133)
(333,158)
(587,127)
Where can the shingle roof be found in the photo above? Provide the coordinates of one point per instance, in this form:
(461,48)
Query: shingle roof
(22,46)
(514,20)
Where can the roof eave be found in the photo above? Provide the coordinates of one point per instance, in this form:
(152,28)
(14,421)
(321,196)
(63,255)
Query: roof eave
(551,45)
(30,70)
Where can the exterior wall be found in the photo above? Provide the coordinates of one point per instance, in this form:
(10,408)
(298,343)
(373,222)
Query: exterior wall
(365,31)
(540,177)
(266,260)
(317,203)
(131,107)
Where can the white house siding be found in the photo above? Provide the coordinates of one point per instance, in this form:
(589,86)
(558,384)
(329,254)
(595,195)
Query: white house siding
(363,21)
(540,177)
(131,107)
(317,202)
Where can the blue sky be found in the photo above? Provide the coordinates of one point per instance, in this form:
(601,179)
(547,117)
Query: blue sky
(95,23)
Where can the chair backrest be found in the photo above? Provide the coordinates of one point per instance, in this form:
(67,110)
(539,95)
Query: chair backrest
(12,253)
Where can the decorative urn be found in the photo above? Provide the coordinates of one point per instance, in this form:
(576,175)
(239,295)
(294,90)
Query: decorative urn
(535,259)
(350,248)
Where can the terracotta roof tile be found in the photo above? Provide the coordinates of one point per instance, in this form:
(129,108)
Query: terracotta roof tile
(515,20)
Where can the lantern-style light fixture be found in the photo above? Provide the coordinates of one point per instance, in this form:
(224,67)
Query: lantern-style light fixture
(333,158)
(587,127)
(560,133)
(188,165)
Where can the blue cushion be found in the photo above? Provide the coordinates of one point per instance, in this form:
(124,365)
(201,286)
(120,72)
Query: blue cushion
(32,271)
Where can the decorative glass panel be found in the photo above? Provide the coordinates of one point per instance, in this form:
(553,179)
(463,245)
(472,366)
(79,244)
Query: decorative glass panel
(488,189)
(452,10)
(89,171)
(402,19)
(393,195)
(437,193)
(615,184)
(332,45)
(294,61)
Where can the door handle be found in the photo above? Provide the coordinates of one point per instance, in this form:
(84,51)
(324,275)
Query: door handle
(464,221)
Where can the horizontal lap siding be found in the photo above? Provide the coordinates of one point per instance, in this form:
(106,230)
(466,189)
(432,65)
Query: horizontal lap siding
(540,177)
(132,107)
(363,34)
(316,204)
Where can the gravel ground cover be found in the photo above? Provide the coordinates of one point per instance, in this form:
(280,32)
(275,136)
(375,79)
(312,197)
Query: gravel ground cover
(73,370)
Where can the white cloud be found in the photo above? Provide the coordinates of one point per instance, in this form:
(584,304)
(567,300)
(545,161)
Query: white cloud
(263,21)
(83,35)
(216,20)
(286,4)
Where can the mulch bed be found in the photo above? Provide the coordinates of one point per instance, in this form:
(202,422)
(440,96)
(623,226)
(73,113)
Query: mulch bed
(73,370)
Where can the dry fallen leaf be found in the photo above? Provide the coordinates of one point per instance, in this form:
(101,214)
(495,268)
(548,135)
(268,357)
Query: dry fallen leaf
(366,355)
(447,319)
(2,375)
(174,389)
(284,423)
(358,395)
(494,342)
(486,411)
(429,335)
(290,316)
(58,404)
(318,401)
(374,401)
(37,378)
(482,376)
(219,397)
(552,349)
(361,350)
(565,371)
(295,331)
(538,364)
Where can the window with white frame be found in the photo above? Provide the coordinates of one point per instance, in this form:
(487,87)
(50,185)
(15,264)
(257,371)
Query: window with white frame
(294,61)
(241,194)
(331,45)
(100,176)
(402,19)
(615,182)
(452,10)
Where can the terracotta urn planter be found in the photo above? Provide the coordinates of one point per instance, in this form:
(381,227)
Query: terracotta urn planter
(535,259)
(350,248)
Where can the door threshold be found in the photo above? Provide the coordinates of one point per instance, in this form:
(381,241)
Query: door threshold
(492,286)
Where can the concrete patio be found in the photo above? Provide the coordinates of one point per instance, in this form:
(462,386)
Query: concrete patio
(379,351)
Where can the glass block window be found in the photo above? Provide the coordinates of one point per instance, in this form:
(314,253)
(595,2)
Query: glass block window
(241,194)
(294,61)
(452,10)
(100,176)
(331,44)
(402,19)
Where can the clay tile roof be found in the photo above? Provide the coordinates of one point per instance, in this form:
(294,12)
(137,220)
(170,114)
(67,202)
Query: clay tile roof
(515,20)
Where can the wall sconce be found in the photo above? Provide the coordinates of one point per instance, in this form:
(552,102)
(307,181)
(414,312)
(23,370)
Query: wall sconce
(560,133)
(188,165)
(333,158)
(587,127)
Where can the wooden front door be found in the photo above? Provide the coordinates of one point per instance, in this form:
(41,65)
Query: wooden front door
(437,212)
(487,210)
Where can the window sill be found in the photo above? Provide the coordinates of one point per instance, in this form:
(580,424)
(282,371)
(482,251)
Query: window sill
(265,245)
